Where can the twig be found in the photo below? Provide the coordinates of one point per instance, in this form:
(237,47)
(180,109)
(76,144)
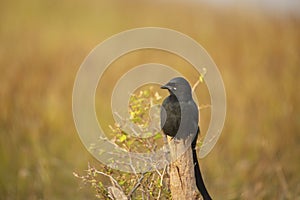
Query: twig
(113,181)
(161,180)
(200,79)
(195,85)
(136,185)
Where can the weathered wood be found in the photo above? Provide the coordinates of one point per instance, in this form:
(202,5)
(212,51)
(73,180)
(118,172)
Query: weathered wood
(182,176)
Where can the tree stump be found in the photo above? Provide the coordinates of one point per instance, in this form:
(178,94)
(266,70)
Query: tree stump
(182,176)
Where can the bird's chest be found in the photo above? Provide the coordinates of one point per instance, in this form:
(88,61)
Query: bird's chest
(173,117)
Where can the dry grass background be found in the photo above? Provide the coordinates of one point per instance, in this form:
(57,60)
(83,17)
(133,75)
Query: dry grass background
(42,44)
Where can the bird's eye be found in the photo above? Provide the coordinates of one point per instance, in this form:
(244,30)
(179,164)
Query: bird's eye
(174,88)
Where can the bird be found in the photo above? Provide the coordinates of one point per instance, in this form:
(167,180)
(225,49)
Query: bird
(179,120)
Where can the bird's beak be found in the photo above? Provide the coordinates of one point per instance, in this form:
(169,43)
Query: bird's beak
(165,87)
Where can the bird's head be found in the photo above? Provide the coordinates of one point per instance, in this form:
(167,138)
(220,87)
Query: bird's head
(180,88)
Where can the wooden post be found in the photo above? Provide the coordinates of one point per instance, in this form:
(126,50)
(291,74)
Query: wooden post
(182,176)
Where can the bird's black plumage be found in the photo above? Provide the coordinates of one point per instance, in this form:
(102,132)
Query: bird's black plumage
(179,119)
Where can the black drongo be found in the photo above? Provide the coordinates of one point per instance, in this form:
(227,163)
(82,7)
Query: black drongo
(179,119)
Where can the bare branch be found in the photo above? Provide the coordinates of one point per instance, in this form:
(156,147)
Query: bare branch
(136,185)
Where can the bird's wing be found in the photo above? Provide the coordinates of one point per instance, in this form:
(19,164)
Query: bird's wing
(189,119)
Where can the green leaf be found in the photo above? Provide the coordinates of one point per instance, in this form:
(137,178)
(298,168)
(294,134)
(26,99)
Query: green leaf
(146,93)
(157,136)
(122,182)
(201,78)
(122,138)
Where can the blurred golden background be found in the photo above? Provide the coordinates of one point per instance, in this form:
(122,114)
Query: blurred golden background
(43,43)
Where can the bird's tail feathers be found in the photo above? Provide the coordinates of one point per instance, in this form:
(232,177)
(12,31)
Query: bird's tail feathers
(199,180)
